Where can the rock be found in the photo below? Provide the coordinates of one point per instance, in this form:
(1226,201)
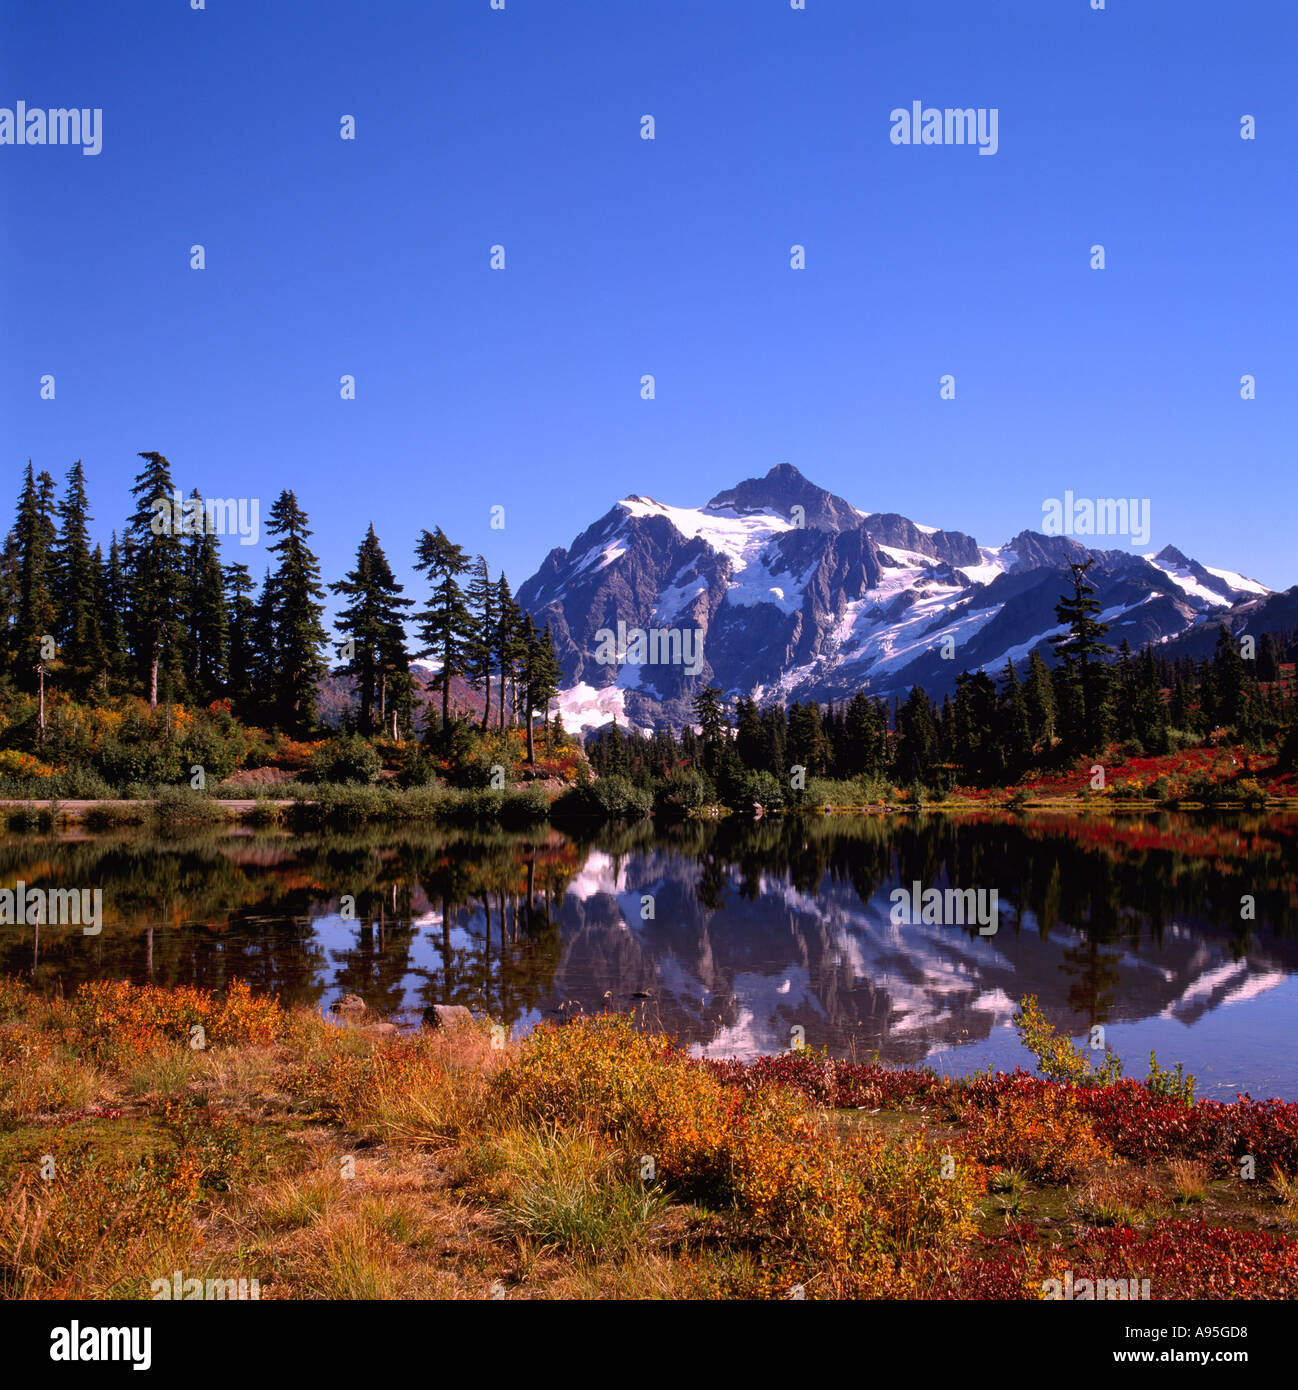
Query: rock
(381,1030)
(446,1015)
(349,1004)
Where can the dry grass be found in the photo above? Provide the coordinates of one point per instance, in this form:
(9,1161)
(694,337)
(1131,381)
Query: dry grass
(1190,1178)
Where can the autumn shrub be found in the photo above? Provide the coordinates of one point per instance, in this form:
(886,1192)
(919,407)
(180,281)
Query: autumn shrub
(38,1074)
(93,1224)
(1191,1260)
(1057,1057)
(113,1020)
(763,1151)
(1041,1130)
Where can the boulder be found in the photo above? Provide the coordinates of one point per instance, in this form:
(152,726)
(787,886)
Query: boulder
(349,1004)
(446,1015)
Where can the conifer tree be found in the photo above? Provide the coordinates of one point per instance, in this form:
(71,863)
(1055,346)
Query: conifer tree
(443,625)
(76,588)
(1083,678)
(480,647)
(113,602)
(241,614)
(296,606)
(373,647)
(156,579)
(507,639)
(36,616)
(207,618)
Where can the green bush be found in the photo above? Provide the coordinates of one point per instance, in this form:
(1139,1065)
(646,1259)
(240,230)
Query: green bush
(345,759)
(679,793)
(115,813)
(607,798)
(417,768)
(185,806)
(350,802)
(527,806)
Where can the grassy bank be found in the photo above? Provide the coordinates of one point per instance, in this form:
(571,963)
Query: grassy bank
(146,1131)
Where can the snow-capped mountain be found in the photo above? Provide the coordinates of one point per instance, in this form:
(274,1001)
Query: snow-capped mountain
(783,591)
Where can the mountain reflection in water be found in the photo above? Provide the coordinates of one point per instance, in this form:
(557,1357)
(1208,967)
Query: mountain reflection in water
(1134,923)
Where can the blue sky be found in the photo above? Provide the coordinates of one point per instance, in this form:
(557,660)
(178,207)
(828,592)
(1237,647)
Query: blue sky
(624,257)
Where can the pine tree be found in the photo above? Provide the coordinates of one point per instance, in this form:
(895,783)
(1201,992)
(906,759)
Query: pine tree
(9,599)
(76,588)
(241,618)
(1228,679)
(36,616)
(808,746)
(480,647)
(264,675)
(207,618)
(714,725)
(1084,678)
(916,736)
(507,639)
(296,600)
(113,602)
(374,647)
(443,626)
(1039,692)
(543,679)
(1015,724)
(156,580)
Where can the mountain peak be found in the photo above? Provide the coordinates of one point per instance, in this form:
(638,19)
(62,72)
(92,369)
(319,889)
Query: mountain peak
(782,489)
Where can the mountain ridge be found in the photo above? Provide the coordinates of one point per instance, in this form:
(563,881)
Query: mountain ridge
(798,594)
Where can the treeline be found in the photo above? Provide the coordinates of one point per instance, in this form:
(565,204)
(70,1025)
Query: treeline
(990,733)
(165,617)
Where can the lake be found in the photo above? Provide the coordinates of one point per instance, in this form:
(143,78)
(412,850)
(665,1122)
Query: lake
(731,935)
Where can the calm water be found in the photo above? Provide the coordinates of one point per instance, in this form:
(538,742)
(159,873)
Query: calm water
(1134,923)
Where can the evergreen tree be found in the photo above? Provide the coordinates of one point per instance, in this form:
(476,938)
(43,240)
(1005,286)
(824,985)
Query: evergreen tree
(35,616)
(208,645)
(1083,678)
(1039,694)
(544,674)
(10,590)
(374,648)
(916,737)
(76,588)
(714,725)
(444,626)
(296,600)
(1227,680)
(241,614)
(156,579)
(808,746)
(113,602)
(480,647)
(507,640)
